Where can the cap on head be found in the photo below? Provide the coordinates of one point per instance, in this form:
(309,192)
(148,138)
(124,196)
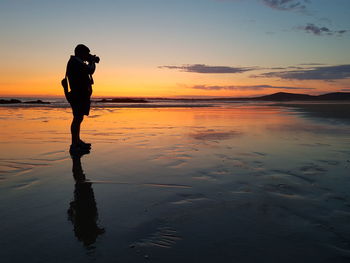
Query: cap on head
(81,49)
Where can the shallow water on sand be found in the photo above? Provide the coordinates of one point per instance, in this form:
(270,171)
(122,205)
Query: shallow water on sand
(217,184)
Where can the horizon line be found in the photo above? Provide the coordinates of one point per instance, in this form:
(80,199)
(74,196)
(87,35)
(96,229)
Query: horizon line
(164,97)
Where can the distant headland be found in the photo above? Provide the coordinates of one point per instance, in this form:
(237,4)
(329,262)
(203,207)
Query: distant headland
(16,101)
(284,96)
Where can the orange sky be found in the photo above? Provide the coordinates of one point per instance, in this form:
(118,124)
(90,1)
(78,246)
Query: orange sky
(138,82)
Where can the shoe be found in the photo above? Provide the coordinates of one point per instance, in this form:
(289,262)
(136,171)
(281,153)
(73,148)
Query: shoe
(85,143)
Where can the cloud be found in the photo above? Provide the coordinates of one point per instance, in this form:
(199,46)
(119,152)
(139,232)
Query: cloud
(287,5)
(255,87)
(346,90)
(285,68)
(316,73)
(282,5)
(320,31)
(312,64)
(205,69)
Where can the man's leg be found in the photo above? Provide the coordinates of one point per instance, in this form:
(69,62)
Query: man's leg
(75,129)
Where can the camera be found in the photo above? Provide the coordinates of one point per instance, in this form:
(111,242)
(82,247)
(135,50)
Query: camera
(94,58)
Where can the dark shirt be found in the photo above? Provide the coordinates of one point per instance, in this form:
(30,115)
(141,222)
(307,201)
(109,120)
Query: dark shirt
(79,77)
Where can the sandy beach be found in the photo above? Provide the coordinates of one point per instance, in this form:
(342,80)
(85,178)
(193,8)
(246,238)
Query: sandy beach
(240,183)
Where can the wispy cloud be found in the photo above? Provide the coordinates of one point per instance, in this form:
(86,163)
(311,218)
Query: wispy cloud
(314,73)
(287,5)
(205,69)
(321,30)
(255,87)
(282,5)
(305,71)
(286,68)
(312,64)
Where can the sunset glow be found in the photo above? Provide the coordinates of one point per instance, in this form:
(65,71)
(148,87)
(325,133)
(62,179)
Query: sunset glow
(196,48)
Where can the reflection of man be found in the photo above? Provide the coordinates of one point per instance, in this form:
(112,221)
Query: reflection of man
(80,68)
(82,211)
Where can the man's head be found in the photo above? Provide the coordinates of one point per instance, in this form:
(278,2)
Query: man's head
(82,51)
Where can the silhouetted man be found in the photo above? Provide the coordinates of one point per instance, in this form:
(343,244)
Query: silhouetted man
(79,72)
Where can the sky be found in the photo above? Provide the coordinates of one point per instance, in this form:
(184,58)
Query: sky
(178,48)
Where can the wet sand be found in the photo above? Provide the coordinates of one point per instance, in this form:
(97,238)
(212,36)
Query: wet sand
(209,184)
(332,111)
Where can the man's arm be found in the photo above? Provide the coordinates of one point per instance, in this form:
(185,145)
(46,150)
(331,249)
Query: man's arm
(91,67)
(88,68)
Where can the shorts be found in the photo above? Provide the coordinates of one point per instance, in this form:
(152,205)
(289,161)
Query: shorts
(80,107)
